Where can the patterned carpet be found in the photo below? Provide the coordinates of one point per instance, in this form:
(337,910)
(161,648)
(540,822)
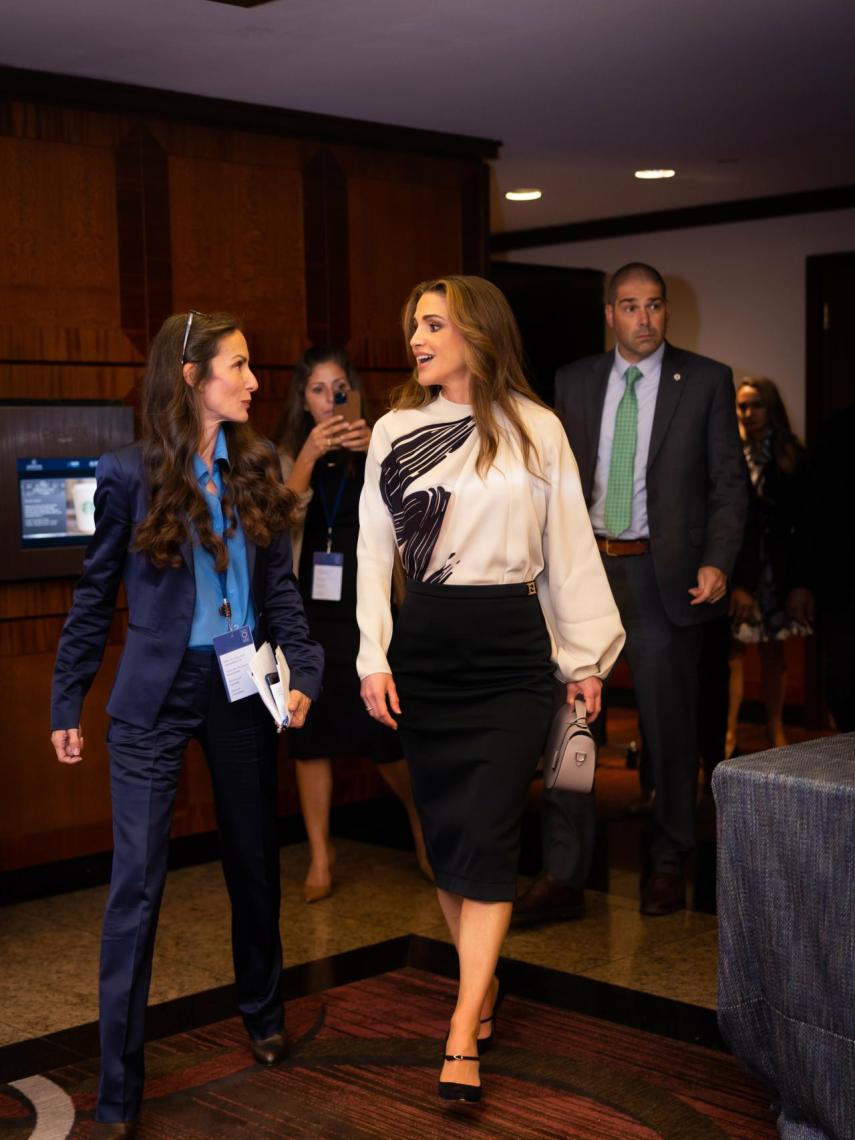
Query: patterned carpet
(364,1062)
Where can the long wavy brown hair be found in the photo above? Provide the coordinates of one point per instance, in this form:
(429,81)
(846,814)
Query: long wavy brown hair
(172,431)
(786,448)
(493,355)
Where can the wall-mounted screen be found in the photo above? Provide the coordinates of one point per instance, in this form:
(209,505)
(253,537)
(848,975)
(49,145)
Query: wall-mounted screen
(57,500)
(48,455)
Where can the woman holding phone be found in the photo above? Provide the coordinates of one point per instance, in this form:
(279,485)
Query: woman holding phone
(323,437)
(471,480)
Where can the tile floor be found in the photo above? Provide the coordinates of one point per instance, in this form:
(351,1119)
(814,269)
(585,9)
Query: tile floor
(379,895)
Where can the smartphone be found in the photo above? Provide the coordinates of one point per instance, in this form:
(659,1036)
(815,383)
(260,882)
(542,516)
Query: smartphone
(348,403)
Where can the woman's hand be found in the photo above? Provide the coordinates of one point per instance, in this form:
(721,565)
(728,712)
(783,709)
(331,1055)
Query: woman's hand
(591,689)
(357,437)
(68,743)
(324,436)
(742,605)
(379,695)
(298,707)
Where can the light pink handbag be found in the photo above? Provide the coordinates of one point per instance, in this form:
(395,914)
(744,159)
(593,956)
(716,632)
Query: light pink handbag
(570,758)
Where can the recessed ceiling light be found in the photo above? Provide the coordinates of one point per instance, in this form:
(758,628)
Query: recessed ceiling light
(524,194)
(655,173)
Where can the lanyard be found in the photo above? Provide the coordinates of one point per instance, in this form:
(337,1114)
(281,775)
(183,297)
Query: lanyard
(330,518)
(226,608)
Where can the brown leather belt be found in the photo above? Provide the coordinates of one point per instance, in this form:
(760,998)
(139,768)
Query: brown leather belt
(622,547)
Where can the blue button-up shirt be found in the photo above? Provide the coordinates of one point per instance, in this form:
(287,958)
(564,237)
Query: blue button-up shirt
(208,622)
(646,390)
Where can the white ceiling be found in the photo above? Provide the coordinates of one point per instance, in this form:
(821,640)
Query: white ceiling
(744,97)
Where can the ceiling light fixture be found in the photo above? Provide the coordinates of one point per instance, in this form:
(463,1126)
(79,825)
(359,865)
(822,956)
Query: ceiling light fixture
(524,194)
(651,174)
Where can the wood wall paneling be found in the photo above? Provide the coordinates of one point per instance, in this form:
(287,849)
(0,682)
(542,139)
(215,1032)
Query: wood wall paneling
(57,245)
(113,215)
(400,233)
(237,246)
(142,212)
(325,225)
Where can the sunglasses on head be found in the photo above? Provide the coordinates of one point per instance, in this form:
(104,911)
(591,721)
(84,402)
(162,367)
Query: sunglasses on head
(193,313)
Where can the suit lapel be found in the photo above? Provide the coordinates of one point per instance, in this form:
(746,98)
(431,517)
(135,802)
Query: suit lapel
(596,383)
(672,382)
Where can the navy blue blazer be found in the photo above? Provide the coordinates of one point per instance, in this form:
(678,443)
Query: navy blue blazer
(697,483)
(160,607)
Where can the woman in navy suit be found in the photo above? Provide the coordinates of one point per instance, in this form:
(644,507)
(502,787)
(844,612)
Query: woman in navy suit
(194,521)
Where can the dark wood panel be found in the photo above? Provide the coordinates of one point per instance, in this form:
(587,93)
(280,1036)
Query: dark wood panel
(61,124)
(45,804)
(327,250)
(237,245)
(58,247)
(25,380)
(121,98)
(400,234)
(142,212)
(378,385)
(35,598)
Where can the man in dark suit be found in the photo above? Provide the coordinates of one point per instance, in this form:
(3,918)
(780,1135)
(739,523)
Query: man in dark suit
(653,429)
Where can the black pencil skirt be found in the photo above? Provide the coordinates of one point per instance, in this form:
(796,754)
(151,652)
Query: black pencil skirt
(473,672)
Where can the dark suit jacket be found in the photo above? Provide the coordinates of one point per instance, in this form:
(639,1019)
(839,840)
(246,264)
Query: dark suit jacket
(160,607)
(696,477)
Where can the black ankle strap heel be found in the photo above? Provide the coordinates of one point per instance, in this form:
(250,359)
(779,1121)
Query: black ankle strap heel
(485,1044)
(451,1090)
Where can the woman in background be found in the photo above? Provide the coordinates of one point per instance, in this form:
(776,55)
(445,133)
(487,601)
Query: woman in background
(762,576)
(194,521)
(323,463)
(471,479)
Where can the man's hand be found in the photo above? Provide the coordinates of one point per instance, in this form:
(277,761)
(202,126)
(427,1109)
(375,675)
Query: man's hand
(379,695)
(68,743)
(591,689)
(711,587)
(298,708)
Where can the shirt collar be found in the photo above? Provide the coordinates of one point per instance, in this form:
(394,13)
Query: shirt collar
(650,366)
(221,455)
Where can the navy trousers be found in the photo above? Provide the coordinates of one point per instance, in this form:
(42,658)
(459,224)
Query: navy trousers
(239,744)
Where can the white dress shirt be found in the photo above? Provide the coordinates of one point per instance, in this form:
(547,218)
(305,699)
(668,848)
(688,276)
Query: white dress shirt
(508,525)
(646,389)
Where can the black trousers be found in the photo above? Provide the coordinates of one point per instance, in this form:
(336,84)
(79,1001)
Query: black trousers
(663,658)
(145,764)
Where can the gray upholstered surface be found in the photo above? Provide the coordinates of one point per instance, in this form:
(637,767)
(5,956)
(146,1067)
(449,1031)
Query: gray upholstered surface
(786,904)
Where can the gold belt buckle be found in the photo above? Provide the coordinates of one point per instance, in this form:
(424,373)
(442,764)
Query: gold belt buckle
(532,589)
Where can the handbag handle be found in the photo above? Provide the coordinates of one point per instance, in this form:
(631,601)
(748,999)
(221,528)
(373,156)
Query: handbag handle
(581,717)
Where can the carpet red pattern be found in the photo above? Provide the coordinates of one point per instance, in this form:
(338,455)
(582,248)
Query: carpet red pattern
(364,1062)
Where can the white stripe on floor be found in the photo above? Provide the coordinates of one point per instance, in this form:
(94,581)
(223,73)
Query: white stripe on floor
(54,1108)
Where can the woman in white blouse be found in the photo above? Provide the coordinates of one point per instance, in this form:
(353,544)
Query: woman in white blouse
(471,478)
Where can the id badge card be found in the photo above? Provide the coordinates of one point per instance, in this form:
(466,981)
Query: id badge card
(327,575)
(235,651)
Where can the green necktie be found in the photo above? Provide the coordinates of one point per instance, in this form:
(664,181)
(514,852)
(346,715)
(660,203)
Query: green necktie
(618,513)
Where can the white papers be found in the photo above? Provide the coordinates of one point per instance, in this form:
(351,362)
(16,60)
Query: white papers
(272,678)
